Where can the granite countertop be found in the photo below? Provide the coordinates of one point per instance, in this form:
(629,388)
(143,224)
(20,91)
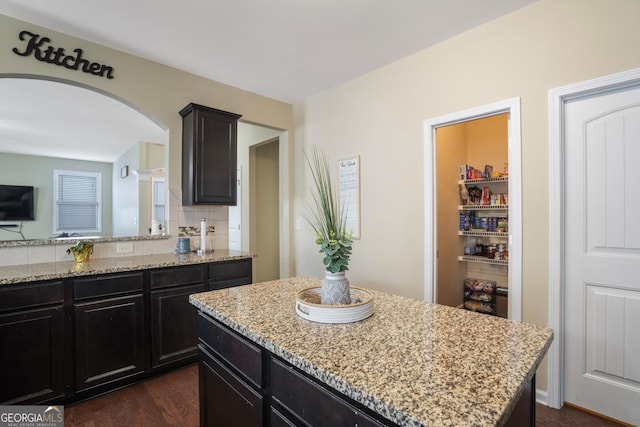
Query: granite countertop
(60,270)
(413,362)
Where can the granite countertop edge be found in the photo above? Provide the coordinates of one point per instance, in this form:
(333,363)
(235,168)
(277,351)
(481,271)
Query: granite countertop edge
(26,273)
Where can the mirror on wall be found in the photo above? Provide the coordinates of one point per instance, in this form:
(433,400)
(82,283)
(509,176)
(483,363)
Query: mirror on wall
(48,127)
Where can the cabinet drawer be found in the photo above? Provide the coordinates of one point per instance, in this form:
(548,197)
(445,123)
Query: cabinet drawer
(115,284)
(232,348)
(173,276)
(310,402)
(229,273)
(30,295)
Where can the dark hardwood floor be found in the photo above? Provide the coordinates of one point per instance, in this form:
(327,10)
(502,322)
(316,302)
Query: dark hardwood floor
(172,400)
(167,400)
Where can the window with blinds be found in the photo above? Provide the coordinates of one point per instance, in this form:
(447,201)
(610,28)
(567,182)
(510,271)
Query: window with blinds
(77,201)
(158,199)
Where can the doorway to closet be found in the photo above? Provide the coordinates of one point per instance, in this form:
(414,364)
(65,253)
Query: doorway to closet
(473,227)
(472,199)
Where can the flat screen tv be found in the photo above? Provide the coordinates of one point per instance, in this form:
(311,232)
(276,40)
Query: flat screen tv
(16,203)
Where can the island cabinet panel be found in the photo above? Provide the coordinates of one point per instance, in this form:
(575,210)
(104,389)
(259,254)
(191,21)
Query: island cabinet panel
(235,373)
(231,348)
(277,419)
(209,156)
(230,273)
(225,398)
(32,362)
(308,402)
(173,320)
(109,329)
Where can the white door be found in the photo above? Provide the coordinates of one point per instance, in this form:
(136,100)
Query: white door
(602,254)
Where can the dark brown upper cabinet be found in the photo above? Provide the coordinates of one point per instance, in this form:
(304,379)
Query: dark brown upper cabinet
(209,156)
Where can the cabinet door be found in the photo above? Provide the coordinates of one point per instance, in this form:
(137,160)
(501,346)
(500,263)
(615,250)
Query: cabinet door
(226,400)
(109,340)
(173,325)
(209,156)
(32,357)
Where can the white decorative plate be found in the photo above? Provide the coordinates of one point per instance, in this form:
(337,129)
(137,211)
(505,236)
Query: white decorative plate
(308,306)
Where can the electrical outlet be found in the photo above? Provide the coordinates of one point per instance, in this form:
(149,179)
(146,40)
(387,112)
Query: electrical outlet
(124,248)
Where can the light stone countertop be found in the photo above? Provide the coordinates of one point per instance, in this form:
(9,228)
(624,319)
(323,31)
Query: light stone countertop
(415,363)
(63,269)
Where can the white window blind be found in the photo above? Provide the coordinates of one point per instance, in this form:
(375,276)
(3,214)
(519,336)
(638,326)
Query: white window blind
(77,200)
(158,199)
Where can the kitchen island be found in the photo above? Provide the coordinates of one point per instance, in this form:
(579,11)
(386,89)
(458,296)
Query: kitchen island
(410,363)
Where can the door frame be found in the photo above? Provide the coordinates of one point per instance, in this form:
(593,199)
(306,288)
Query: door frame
(511,106)
(286,168)
(557,99)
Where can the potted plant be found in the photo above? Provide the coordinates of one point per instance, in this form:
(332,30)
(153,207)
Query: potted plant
(81,250)
(328,222)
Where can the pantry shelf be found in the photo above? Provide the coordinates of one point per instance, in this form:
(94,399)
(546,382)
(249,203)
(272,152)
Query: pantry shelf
(483,260)
(483,207)
(484,180)
(484,234)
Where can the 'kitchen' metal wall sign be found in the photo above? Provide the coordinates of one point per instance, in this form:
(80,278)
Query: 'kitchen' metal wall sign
(43,51)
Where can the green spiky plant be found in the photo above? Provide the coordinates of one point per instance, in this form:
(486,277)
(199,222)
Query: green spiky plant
(327,221)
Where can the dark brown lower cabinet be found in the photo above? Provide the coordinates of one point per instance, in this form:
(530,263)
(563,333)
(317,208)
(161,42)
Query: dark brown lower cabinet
(32,359)
(225,399)
(32,327)
(109,340)
(109,329)
(173,326)
(278,419)
(226,274)
(237,377)
(68,340)
(310,403)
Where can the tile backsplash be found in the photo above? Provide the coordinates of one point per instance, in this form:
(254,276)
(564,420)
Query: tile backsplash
(184,220)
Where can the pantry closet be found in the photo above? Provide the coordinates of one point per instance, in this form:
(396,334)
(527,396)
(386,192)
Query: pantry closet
(472,214)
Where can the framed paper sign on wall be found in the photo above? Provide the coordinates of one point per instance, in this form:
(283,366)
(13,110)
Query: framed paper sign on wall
(349,187)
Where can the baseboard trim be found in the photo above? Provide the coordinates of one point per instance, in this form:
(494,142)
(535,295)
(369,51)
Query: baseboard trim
(542,397)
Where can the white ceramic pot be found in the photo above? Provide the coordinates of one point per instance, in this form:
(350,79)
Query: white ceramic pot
(335,289)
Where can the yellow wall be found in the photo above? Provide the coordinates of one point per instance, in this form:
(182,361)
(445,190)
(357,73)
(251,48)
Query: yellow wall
(487,142)
(380,116)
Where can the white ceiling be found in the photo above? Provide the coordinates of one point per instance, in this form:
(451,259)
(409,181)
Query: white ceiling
(61,120)
(283,49)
